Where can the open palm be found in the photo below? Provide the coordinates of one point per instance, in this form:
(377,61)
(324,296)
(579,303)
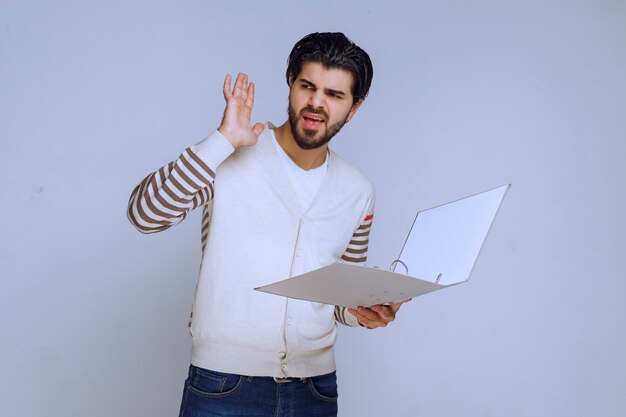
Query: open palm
(236,125)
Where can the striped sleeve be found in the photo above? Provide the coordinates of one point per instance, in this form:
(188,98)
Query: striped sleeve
(356,254)
(165,197)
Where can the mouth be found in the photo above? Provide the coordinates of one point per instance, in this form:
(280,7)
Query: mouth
(312,121)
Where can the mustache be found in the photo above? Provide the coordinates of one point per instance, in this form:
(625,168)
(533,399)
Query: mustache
(314,111)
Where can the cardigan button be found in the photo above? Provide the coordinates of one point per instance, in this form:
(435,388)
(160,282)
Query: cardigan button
(283,367)
(282,355)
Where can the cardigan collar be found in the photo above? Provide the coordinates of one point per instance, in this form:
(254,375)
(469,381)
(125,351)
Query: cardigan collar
(270,161)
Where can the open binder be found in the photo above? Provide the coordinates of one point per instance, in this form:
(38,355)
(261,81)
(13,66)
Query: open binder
(440,251)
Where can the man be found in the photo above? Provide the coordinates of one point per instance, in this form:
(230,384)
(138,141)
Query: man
(276,203)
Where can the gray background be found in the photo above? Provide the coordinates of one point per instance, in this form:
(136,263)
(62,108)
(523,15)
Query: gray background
(466,96)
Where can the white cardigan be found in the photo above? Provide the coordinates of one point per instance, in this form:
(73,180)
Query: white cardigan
(255,232)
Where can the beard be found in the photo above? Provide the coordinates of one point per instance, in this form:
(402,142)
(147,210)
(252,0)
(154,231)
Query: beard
(307,139)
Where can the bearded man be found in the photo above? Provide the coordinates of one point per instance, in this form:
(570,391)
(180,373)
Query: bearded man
(277,202)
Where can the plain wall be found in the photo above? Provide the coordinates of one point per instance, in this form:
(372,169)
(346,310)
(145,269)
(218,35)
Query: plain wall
(466,96)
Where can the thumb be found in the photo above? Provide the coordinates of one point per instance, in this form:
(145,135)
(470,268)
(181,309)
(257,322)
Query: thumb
(396,306)
(258,129)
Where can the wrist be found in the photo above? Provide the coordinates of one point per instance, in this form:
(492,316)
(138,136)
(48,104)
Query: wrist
(229,135)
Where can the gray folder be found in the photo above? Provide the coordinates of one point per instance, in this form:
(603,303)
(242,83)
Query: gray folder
(440,251)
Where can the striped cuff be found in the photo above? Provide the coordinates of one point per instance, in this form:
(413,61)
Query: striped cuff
(343,316)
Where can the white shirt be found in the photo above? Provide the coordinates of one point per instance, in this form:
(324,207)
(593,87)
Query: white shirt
(305,183)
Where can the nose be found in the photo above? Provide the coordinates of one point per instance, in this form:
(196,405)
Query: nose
(316,99)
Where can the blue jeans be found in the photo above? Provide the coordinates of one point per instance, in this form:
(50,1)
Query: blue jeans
(216,394)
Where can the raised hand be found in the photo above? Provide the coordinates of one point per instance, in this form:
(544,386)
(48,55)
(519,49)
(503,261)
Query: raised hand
(378,315)
(236,125)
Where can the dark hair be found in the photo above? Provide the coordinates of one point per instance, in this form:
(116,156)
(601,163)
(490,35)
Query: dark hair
(333,50)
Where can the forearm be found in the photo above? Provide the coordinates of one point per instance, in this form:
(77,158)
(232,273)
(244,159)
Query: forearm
(165,197)
(356,254)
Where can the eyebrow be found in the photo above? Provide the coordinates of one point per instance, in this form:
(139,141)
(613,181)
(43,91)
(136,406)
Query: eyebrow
(328,90)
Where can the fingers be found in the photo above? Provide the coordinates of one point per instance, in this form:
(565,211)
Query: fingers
(241,86)
(362,318)
(250,98)
(384,312)
(396,306)
(235,125)
(240,89)
(377,315)
(373,317)
(226,89)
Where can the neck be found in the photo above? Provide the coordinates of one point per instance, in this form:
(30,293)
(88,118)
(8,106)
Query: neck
(305,158)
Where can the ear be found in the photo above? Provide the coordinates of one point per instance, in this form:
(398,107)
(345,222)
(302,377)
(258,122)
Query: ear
(353,110)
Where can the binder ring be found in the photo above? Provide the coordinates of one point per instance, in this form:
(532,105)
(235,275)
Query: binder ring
(398,261)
